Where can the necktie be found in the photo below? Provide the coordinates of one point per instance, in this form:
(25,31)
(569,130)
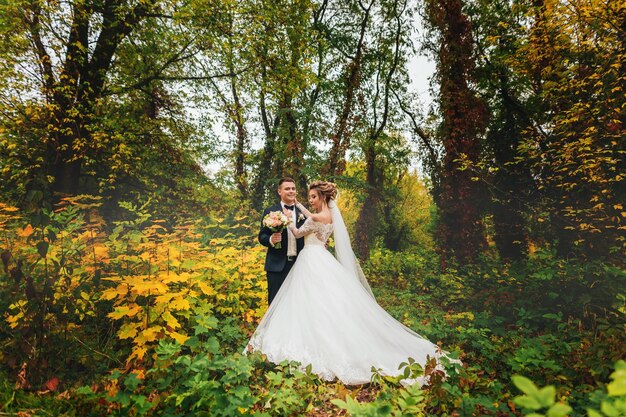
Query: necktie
(289,207)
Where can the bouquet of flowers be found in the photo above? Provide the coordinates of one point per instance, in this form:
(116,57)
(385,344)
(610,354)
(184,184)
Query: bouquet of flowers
(276,221)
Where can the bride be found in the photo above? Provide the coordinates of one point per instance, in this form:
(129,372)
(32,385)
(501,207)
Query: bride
(325,313)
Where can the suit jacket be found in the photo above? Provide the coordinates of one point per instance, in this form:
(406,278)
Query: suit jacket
(275,259)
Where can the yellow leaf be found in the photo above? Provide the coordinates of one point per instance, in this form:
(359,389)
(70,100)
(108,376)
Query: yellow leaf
(180,304)
(209,263)
(111,293)
(123,311)
(205,288)
(164,298)
(170,320)
(14,320)
(128,330)
(8,208)
(149,335)
(168,296)
(180,338)
(174,253)
(101,251)
(138,352)
(183,277)
(141,287)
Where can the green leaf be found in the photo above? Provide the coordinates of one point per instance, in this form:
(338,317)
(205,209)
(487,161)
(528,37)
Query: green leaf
(546,396)
(131,382)
(593,413)
(529,402)
(559,410)
(524,384)
(618,386)
(609,410)
(85,390)
(142,404)
(340,403)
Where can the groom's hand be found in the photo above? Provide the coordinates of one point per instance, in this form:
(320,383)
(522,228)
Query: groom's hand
(275,238)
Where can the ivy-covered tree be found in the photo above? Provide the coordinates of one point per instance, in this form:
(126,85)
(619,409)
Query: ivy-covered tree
(498,30)
(463,120)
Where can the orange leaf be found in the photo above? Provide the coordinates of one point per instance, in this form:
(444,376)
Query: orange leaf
(53,384)
(27,231)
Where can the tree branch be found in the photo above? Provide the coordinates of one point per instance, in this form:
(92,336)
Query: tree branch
(392,70)
(76,51)
(418,130)
(113,31)
(40,49)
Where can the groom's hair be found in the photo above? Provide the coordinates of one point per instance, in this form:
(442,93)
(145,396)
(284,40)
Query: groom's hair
(285,179)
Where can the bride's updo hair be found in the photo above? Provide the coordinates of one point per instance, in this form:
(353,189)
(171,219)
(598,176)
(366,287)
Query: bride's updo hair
(327,190)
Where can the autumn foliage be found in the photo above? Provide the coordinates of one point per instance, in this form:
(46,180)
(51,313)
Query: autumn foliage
(69,272)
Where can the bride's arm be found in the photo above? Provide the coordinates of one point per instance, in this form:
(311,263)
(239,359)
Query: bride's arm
(303,230)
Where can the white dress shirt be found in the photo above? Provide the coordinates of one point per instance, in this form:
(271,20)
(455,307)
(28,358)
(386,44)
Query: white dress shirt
(292,249)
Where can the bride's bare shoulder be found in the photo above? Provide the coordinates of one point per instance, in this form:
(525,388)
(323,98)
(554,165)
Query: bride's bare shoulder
(322,218)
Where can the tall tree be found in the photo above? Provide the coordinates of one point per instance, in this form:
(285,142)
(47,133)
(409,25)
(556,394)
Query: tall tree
(87,58)
(386,75)
(72,87)
(352,80)
(464,117)
(281,53)
(498,31)
(230,92)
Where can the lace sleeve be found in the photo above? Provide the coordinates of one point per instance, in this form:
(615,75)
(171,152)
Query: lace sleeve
(307,227)
(304,210)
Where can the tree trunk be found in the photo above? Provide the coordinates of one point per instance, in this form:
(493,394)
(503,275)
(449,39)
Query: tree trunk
(341,138)
(368,220)
(242,141)
(292,162)
(460,231)
(73,95)
(262,189)
(366,224)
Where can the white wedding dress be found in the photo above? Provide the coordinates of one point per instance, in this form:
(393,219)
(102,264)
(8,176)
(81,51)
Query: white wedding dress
(323,315)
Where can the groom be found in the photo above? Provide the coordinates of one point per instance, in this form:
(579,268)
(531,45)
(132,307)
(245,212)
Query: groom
(278,262)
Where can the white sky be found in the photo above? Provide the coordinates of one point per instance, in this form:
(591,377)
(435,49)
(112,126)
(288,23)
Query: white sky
(421,68)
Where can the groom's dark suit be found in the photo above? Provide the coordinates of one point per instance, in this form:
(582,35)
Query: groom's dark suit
(277,266)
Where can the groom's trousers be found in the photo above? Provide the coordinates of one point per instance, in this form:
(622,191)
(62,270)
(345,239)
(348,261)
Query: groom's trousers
(276,279)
